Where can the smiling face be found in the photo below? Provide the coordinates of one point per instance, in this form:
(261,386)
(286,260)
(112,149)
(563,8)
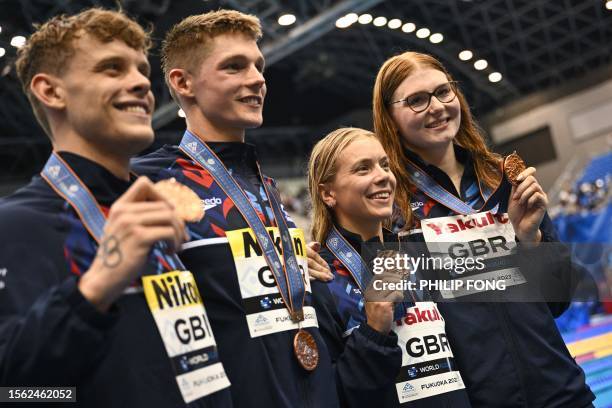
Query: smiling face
(108,98)
(229,88)
(363,188)
(435,127)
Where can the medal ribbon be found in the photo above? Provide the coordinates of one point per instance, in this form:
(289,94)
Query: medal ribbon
(355,264)
(69,186)
(431,188)
(288,277)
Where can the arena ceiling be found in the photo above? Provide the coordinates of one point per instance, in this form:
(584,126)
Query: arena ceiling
(319,75)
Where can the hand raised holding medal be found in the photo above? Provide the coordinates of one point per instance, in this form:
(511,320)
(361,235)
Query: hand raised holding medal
(136,222)
(186,202)
(528,200)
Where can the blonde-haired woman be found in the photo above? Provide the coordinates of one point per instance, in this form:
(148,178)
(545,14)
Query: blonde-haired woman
(352,190)
(511,354)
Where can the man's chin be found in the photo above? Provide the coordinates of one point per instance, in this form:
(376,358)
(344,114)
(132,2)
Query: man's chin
(253,124)
(136,142)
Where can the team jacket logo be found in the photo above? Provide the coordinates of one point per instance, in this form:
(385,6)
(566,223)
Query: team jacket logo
(461,225)
(209,203)
(418,315)
(415,205)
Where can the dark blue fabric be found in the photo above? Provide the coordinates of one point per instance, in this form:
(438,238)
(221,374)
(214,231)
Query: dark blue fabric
(50,335)
(510,354)
(263,370)
(366,371)
(366,362)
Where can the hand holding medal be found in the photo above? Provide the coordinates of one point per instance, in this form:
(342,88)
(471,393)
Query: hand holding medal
(513,166)
(136,222)
(380,303)
(186,202)
(528,200)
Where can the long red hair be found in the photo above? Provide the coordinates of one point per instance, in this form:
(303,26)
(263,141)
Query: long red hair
(469,136)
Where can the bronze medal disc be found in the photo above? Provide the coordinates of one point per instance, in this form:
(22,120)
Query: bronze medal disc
(185,201)
(513,166)
(306,351)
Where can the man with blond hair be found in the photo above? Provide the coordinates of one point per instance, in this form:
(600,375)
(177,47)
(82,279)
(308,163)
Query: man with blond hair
(248,257)
(76,240)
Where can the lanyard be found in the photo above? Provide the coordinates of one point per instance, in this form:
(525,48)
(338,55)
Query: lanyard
(431,188)
(69,186)
(288,277)
(355,264)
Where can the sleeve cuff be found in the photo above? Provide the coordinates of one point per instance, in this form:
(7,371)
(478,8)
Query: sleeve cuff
(86,311)
(369,333)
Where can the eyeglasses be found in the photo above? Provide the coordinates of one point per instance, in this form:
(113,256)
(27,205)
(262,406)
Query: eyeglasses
(420,101)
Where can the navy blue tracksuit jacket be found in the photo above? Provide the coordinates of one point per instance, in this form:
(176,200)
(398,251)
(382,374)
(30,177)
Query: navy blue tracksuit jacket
(263,370)
(50,335)
(510,354)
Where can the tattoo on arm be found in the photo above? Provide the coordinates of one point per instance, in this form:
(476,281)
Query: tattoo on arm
(111,252)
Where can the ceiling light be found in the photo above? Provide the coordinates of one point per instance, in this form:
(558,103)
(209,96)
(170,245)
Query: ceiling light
(365,19)
(481,64)
(408,27)
(380,21)
(2,52)
(465,55)
(423,32)
(347,20)
(495,77)
(342,22)
(436,38)
(609,4)
(395,23)
(181,113)
(352,17)
(286,19)
(18,41)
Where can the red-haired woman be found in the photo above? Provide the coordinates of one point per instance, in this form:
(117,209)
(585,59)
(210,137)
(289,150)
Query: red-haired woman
(453,187)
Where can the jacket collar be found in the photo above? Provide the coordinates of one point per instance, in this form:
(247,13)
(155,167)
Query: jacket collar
(103,184)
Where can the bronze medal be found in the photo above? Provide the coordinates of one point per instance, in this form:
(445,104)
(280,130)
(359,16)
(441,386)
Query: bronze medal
(185,201)
(513,166)
(306,351)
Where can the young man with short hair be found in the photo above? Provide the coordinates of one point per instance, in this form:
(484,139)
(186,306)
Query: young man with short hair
(247,256)
(77,239)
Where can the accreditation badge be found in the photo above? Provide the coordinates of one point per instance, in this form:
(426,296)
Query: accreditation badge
(181,319)
(428,366)
(265,309)
(476,252)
